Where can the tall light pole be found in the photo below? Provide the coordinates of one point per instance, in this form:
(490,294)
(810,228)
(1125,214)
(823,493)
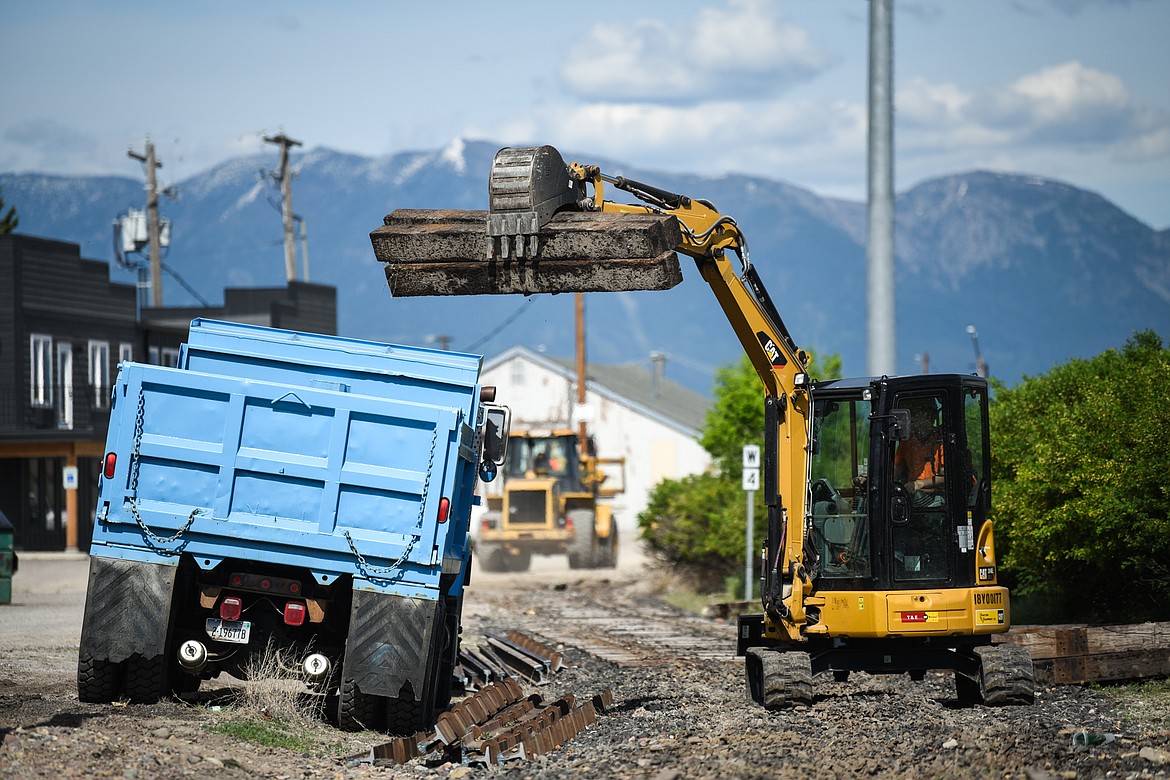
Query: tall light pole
(980,364)
(881,354)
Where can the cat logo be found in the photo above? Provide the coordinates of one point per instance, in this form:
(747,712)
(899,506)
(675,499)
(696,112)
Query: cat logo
(774,355)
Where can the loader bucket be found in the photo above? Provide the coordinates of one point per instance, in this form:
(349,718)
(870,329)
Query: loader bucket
(534,238)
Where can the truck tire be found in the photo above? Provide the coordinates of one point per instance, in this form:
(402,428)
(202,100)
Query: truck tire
(583,550)
(147,679)
(98,681)
(1007,675)
(357,711)
(778,678)
(405,716)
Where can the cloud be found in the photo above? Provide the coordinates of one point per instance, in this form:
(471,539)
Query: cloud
(743,49)
(1067,105)
(1067,7)
(45,144)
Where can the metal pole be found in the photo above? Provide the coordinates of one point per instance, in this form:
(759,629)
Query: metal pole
(747,566)
(882,357)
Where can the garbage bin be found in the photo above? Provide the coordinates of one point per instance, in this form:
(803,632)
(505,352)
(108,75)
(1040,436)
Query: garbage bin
(8,560)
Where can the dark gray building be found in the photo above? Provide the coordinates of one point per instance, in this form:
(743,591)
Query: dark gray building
(64,328)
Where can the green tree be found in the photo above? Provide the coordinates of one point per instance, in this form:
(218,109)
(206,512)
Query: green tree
(698,521)
(1082,491)
(9,220)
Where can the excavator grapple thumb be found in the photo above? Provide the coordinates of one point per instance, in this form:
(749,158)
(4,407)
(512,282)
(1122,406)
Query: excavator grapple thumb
(537,236)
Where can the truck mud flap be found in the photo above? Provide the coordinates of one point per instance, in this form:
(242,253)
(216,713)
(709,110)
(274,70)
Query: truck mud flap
(390,644)
(127,609)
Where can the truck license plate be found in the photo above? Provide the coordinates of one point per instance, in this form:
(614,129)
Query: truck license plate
(235,631)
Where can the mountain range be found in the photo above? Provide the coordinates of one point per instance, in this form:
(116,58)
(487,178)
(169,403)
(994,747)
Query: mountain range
(1043,270)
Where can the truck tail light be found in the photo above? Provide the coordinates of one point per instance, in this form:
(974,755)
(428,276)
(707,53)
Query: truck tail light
(444,509)
(111,462)
(294,613)
(231,608)
(568,523)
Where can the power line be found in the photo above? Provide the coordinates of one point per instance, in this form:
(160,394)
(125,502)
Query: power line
(507,321)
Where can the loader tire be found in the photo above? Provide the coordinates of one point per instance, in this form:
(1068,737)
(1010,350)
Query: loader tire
(583,552)
(492,557)
(1007,675)
(607,559)
(520,561)
(779,679)
(357,711)
(98,681)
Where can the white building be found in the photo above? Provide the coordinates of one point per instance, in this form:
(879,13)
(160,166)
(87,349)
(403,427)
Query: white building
(630,412)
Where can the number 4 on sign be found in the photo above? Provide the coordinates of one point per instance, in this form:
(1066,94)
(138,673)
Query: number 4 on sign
(751,479)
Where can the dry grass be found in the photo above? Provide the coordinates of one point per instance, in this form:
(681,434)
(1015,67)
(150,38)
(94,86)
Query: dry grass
(275,689)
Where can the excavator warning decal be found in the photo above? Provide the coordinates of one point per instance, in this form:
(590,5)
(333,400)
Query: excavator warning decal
(775,356)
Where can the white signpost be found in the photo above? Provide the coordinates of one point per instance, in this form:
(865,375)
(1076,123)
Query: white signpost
(751,483)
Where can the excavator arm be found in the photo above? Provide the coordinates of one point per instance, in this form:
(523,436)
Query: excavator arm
(551,228)
(710,237)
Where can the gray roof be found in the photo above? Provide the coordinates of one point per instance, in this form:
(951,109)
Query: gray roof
(629,384)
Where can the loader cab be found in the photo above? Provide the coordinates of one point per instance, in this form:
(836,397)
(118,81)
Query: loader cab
(899,488)
(553,455)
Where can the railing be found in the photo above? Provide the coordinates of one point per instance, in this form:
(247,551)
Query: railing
(80,411)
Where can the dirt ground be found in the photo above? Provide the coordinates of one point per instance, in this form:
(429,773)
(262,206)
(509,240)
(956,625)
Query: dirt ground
(680,709)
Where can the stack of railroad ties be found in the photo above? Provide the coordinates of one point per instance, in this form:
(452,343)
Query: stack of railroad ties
(496,723)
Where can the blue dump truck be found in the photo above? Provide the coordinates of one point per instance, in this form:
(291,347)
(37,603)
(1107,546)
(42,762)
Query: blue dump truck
(293,492)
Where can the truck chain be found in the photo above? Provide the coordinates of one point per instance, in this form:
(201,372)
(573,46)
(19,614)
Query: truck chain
(134,458)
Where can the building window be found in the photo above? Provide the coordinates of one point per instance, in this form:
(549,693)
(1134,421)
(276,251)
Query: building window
(152,356)
(125,352)
(518,372)
(170,357)
(99,373)
(41,376)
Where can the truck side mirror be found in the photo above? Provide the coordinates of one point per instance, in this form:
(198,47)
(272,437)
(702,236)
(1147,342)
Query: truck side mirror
(497,420)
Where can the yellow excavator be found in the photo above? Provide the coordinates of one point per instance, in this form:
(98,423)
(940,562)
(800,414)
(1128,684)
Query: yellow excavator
(880,554)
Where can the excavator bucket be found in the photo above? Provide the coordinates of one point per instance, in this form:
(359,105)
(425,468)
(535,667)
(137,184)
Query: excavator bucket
(535,237)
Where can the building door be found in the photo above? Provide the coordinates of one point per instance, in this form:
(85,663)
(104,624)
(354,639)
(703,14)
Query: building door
(65,385)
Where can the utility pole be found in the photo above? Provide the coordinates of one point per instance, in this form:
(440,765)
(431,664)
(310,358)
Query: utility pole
(581,432)
(286,209)
(882,356)
(152,230)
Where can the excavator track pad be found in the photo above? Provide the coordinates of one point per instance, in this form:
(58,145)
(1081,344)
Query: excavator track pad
(443,252)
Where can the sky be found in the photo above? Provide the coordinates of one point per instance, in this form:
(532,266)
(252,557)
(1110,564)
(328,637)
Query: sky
(1074,90)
